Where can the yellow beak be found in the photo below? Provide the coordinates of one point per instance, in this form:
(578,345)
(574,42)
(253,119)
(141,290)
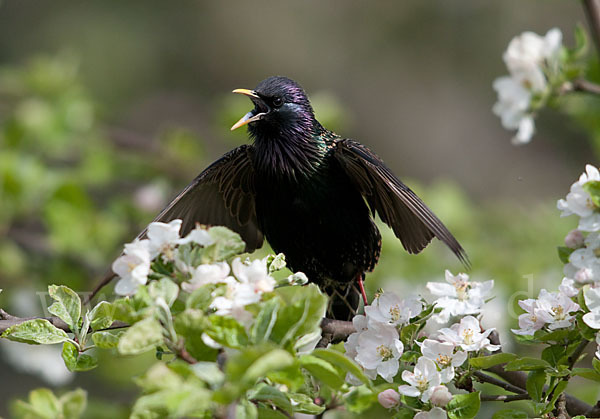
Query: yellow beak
(250,116)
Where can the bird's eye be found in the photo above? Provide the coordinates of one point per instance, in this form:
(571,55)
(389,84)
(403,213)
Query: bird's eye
(277,102)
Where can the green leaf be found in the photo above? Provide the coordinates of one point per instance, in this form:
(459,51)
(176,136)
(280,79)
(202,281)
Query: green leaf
(246,410)
(101,316)
(75,361)
(581,42)
(67,305)
(343,362)
(527,364)
(107,339)
(271,361)
(227,331)
(140,337)
(271,395)
(483,362)
(510,414)
(209,372)
(164,288)
(535,384)
(301,314)
(593,188)
(564,253)
(596,365)
(263,325)
(360,399)
(291,377)
(322,370)
(304,404)
(464,406)
(227,244)
(588,373)
(36,331)
(42,404)
(560,387)
(407,333)
(73,403)
(267,412)
(553,354)
(201,298)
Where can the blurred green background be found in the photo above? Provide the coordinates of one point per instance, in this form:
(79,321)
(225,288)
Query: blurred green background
(108,108)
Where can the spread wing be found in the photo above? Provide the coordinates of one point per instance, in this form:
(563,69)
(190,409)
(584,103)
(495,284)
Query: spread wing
(223,194)
(399,207)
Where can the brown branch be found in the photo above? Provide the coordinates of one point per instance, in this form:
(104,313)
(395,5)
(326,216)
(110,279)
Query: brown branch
(592,13)
(109,276)
(334,331)
(582,85)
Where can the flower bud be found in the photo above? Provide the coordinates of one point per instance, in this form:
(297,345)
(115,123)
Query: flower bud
(388,398)
(440,396)
(574,239)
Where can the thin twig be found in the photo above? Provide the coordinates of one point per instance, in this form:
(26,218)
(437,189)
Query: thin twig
(484,378)
(503,397)
(582,85)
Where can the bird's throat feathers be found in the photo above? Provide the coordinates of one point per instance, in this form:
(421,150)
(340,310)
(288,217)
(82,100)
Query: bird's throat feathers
(292,152)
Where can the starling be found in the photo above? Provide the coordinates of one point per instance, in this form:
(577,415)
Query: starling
(311,193)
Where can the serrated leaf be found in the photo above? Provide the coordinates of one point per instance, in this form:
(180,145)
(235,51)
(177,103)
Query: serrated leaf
(35,332)
(101,316)
(107,339)
(141,337)
(271,395)
(227,331)
(483,362)
(164,288)
(553,354)
(75,361)
(343,362)
(526,364)
(588,373)
(322,370)
(463,406)
(67,305)
(263,325)
(535,384)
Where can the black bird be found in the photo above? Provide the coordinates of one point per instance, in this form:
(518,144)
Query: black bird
(311,193)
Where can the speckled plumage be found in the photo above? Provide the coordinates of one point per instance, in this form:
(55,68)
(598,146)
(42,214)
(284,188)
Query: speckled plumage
(310,193)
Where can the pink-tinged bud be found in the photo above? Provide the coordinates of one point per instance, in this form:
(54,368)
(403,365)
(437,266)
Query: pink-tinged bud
(440,396)
(574,239)
(584,275)
(388,398)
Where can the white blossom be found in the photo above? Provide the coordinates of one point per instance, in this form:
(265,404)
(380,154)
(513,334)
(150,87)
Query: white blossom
(579,202)
(467,334)
(554,308)
(198,235)
(574,239)
(207,274)
(459,296)
(132,267)
(529,322)
(584,264)
(422,381)
(391,309)
(567,287)
(435,413)
(388,398)
(442,353)
(530,59)
(255,274)
(440,396)
(592,301)
(163,238)
(598,348)
(360,324)
(379,349)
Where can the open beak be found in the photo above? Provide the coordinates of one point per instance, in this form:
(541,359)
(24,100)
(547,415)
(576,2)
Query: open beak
(252,115)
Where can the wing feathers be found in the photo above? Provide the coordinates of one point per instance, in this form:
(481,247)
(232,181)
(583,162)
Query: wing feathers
(398,206)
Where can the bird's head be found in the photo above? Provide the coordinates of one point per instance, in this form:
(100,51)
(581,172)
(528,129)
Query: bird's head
(280,106)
